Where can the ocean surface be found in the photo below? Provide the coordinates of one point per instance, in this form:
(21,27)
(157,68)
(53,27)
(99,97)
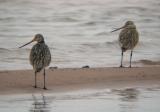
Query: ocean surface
(77,31)
(110,100)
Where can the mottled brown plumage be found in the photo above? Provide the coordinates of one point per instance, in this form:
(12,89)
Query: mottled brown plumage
(128,38)
(40,56)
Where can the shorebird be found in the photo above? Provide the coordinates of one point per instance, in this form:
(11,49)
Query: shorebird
(40,56)
(128,38)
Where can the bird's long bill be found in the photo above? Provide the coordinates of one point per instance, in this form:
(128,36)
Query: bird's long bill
(26,44)
(118,29)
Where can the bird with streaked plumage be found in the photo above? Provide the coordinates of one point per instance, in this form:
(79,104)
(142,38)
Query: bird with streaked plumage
(128,39)
(40,56)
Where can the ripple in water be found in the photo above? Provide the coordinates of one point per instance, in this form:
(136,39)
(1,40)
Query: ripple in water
(68,25)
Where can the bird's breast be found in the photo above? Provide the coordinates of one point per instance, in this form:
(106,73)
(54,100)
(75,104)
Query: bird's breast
(128,38)
(40,56)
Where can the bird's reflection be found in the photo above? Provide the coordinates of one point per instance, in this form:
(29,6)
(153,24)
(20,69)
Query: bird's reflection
(129,94)
(40,104)
(128,98)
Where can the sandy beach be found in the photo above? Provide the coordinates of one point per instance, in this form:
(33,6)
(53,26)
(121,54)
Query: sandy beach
(69,79)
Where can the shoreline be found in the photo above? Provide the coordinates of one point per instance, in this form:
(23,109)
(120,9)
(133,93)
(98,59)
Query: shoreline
(71,79)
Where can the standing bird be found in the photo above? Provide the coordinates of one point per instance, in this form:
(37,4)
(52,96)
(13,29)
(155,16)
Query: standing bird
(40,56)
(128,38)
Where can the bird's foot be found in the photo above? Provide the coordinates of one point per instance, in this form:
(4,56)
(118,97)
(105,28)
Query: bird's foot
(130,66)
(45,88)
(35,86)
(121,66)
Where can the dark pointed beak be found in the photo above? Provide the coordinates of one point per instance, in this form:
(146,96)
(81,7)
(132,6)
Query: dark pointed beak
(118,29)
(26,43)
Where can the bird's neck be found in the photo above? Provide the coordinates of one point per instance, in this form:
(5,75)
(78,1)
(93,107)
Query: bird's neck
(41,42)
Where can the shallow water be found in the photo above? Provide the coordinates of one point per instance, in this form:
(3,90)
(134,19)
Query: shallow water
(115,100)
(77,31)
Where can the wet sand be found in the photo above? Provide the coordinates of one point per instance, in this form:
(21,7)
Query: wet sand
(70,79)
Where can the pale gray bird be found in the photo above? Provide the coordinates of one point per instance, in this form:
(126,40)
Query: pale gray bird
(40,56)
(128,38)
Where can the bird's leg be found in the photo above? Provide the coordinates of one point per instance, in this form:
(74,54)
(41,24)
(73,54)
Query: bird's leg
(131,59)
(44,79)
(121,58)
(35,79)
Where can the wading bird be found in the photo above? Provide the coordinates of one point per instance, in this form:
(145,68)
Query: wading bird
(40,56)
(128,38)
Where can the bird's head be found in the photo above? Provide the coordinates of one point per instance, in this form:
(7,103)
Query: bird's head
(38,38)
(128,24)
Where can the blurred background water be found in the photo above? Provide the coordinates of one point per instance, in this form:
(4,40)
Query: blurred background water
(77,31)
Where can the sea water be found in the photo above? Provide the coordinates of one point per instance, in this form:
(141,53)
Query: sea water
(77,31)
(108,100)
